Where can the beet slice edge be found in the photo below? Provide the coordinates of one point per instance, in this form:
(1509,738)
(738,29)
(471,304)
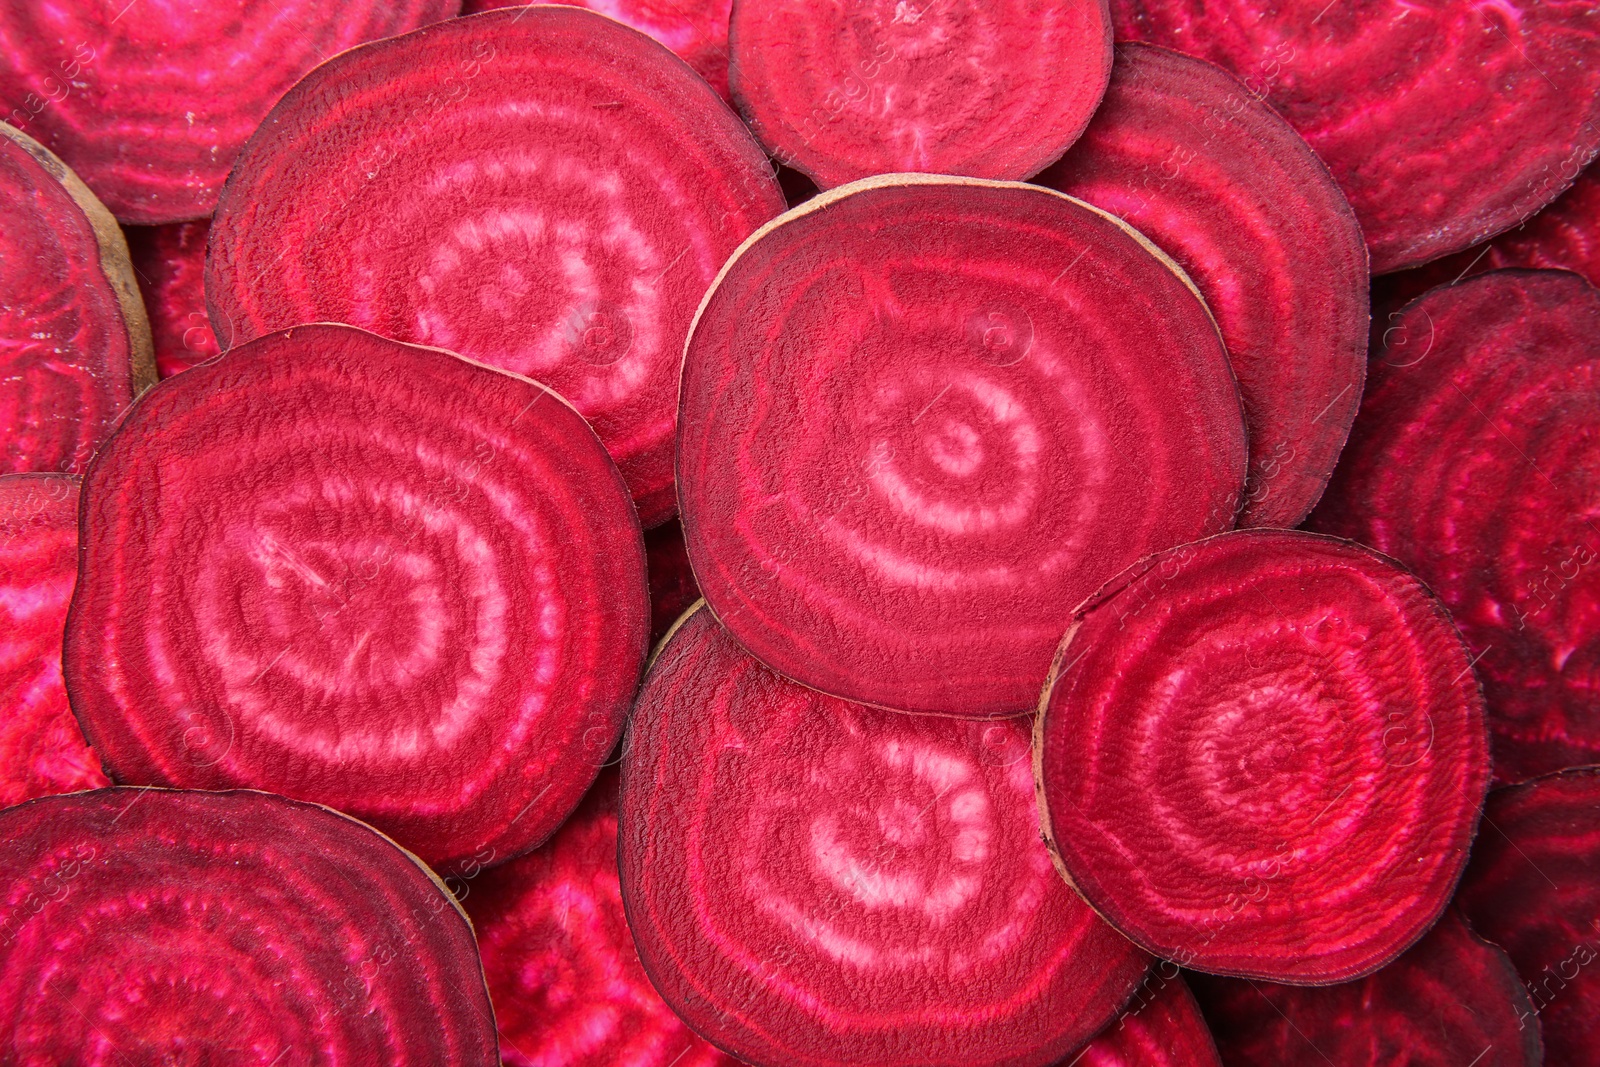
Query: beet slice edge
(1162,1027)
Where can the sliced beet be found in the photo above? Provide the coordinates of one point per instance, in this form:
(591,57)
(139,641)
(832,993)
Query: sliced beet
(152,926)
(815,883)
(1473,462)
(74,344)
(366,574)
(1161,1028)
(152,109)
(672,585)
(1452,1000)
(170,263)
(1445,123)
(921,418)
(1565,235)
(1263,755)
(1182,151)
(987,88)
(540,189)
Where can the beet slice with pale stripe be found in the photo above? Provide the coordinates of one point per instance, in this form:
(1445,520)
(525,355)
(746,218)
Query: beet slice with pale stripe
(166,926)
(986,88)
(366,574)
(1473,462)
(814,883)
(1263,754)
(1163,1027)
(540,189)
(74,343)
(922,418)
(1182,151)
(170,263)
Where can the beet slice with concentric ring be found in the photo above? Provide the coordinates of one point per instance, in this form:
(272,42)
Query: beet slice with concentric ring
(1182,151)
(540,189)
(1473,462)
(241,928)
(170,263)
(921,418)
(814,883)
(993,89)
(1163,1027)
(365,574)
(1263,754)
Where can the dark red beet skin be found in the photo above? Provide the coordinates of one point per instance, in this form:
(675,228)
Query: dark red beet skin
(814,883)
(152,926)
(366,574)
(170,263)
(1473,462)
(1263,754)
(1161,1028)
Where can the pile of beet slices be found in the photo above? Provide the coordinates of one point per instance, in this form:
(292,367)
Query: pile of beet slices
(807,533)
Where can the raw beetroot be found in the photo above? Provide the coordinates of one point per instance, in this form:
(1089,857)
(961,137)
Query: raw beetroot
(1161,1028)
(672,585)
(812,882)
(540,189)
(1263,755)
(170,263)
(362,573)
(921,418)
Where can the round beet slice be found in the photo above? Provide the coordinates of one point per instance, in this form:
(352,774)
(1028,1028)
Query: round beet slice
(170,263)
(1452,1000)
(1181,150)
(42,751)
(152,108)
(1444,123)
(540,189)
(1263,755)
(365,574)
(991,89)
(74,343)
(921,418)
(1474,461)
(814,883)
(168,926)
(1161,1028)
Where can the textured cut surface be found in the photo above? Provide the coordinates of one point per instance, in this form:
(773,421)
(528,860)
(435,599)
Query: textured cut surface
(922,418)
(1444,122)
(1475,460)
(539,189)
(1161,1028)
(162,927)
(366,574)
(987,88)
(170,262)
(1184,153)
(814,883)
(1263,755)
(672,585)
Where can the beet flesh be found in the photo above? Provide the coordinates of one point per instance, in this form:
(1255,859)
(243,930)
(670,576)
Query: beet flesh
(1263,755)
(148,926)
(170,263)
(920,420)
(540,189)
(812,882)
(1183,152)
(1471,463)
(672,584)
(1161,1028)
(986,88)
(365,574)
(1445,123)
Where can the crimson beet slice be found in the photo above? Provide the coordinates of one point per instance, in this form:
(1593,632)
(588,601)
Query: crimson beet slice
(1161,1028)
(1472,461)
(997,89)
(1263,755)
(921,418)
(74,344)
(1182,151)
(170,263)
(672,584)
(1444,123)
(160,926)
(1452,1000)
(1565,235)
(540,189)
(365,574)
(812,882)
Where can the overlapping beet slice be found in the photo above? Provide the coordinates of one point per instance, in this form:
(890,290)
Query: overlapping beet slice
(74,343)
(1445,123)
(1183,151)
(1263,755)
(540,189)
(672,584)
(812,882)
(987,88)
(921,418)
(170,264)
(1472,461)
(362,573)
(163,926)
(1161,1028)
